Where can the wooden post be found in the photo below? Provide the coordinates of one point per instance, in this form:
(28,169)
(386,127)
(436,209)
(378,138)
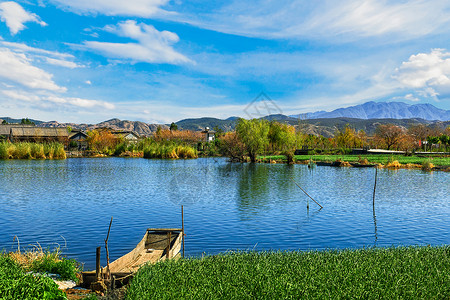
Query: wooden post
(169,237)
(182,227)
(374,189)
(97,263)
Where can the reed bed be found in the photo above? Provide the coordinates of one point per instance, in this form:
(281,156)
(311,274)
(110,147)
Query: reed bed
(169,151)
(383,159)
(32,151)
(373,273)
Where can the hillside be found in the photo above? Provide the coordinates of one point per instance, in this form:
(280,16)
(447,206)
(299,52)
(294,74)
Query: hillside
(385,110)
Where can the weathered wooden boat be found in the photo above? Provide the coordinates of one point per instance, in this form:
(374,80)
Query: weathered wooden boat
(158,244)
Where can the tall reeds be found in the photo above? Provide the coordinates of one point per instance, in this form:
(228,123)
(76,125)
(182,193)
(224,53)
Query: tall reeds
(169,151)
(32,151)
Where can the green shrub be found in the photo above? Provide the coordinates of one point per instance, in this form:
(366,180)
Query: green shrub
(16,284)
(4,150)
(52,263)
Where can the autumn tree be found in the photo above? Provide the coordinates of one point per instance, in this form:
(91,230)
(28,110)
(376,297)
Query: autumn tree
(253,133)
(389,135)
(231,146)
(102,140)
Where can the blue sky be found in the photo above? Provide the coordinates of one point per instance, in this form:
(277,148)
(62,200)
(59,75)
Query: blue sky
(160,61)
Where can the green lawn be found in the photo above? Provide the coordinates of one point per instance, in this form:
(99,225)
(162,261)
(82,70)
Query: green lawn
(374,158)
(375,273)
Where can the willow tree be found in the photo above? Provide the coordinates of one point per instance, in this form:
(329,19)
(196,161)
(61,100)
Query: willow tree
(254,135)
(282,138)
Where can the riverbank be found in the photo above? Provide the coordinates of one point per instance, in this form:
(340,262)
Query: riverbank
(378,160)
(373,273)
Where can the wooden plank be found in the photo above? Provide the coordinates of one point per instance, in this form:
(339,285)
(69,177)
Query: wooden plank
(164,229)
(169,241)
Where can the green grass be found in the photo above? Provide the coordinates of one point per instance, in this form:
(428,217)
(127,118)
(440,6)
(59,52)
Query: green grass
(15,283)
(376,158)
(374,273)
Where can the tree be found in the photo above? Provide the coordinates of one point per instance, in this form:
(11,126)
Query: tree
(253,133)
(4,122)
(282,138)
(173,127)
(389,134)
(26,121)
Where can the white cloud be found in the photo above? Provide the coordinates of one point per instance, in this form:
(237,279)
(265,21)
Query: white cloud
(344,20)
(17,68)
(152,46)
(15,16)
(62,63)
(139,8)
(428,72)
(84,103)
(26,48)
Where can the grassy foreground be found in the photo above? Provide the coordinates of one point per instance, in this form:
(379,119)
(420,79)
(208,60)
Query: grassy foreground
(20,274)
(378,158)
(374,273)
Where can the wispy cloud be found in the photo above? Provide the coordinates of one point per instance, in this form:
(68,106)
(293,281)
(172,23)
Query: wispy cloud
(139,8)
(345,20)
(15,16)
(152,46)
(17,68)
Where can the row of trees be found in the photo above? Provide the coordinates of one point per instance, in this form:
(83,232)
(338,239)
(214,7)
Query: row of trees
(256,136)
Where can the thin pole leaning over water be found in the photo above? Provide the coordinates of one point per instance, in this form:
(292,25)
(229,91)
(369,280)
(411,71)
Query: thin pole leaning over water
(107,252)
(306,193)
(374,189)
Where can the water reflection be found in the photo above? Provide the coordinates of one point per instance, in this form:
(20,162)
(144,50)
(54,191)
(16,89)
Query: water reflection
(240,205)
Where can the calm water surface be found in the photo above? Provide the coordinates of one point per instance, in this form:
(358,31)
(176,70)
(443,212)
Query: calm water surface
(227,206)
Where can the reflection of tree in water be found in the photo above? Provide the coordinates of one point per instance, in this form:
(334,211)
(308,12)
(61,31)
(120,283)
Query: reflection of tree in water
(253,189)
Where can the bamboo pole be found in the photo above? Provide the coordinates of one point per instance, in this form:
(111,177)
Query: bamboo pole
(108,273)
(182,227)
(374,189)
(306,193)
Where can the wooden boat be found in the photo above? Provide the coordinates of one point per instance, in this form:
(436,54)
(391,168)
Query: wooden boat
(157,244)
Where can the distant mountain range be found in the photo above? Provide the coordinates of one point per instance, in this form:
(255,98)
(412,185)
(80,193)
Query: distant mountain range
(384,110)
(366,116)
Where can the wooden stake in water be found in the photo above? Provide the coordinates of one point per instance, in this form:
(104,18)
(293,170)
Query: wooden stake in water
(374,188)
(306,193)
(182,226)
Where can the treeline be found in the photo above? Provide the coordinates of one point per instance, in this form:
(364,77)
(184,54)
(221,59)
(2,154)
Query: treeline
(257,137)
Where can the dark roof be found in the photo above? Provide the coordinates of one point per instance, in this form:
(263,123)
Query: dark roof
(73,134)
(39,132)
(5,129)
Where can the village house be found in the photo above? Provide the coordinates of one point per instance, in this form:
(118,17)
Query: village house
(39,134)
(209,134)
(129,136)
(78,139)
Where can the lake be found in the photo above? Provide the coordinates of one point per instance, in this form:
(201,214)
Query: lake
(227,206)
